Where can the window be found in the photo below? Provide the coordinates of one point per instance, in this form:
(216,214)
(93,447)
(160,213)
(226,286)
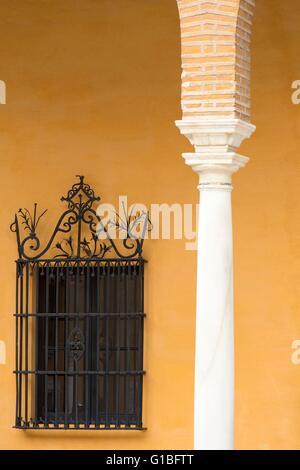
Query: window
(79,330)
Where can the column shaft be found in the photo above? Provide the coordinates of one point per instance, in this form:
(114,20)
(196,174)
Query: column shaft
(214,360)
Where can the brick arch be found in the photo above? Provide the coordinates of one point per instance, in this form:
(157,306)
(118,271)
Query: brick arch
(215,41)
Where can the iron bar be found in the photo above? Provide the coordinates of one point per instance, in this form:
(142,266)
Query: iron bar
(107,350)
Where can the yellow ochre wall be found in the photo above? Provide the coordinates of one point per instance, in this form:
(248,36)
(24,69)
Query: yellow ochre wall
(267,240)
(93,88)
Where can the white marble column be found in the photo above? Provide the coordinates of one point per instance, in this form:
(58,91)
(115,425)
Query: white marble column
(215,160)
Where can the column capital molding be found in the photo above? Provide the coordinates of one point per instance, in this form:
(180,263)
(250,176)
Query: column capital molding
(215,141)
(207,133)
(215,169)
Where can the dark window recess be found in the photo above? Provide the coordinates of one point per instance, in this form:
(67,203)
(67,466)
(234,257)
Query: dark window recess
(79,329)
(90,354)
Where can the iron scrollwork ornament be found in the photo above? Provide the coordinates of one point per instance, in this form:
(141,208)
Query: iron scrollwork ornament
(76,344)
(82,227)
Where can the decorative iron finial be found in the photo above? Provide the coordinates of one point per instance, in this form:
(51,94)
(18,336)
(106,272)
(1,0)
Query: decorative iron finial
(80,196)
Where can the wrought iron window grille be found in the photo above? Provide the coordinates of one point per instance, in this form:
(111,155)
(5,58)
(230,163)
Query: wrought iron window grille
(79,320)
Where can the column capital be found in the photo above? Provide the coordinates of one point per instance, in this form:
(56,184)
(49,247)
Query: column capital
(215,140)
(206,133)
